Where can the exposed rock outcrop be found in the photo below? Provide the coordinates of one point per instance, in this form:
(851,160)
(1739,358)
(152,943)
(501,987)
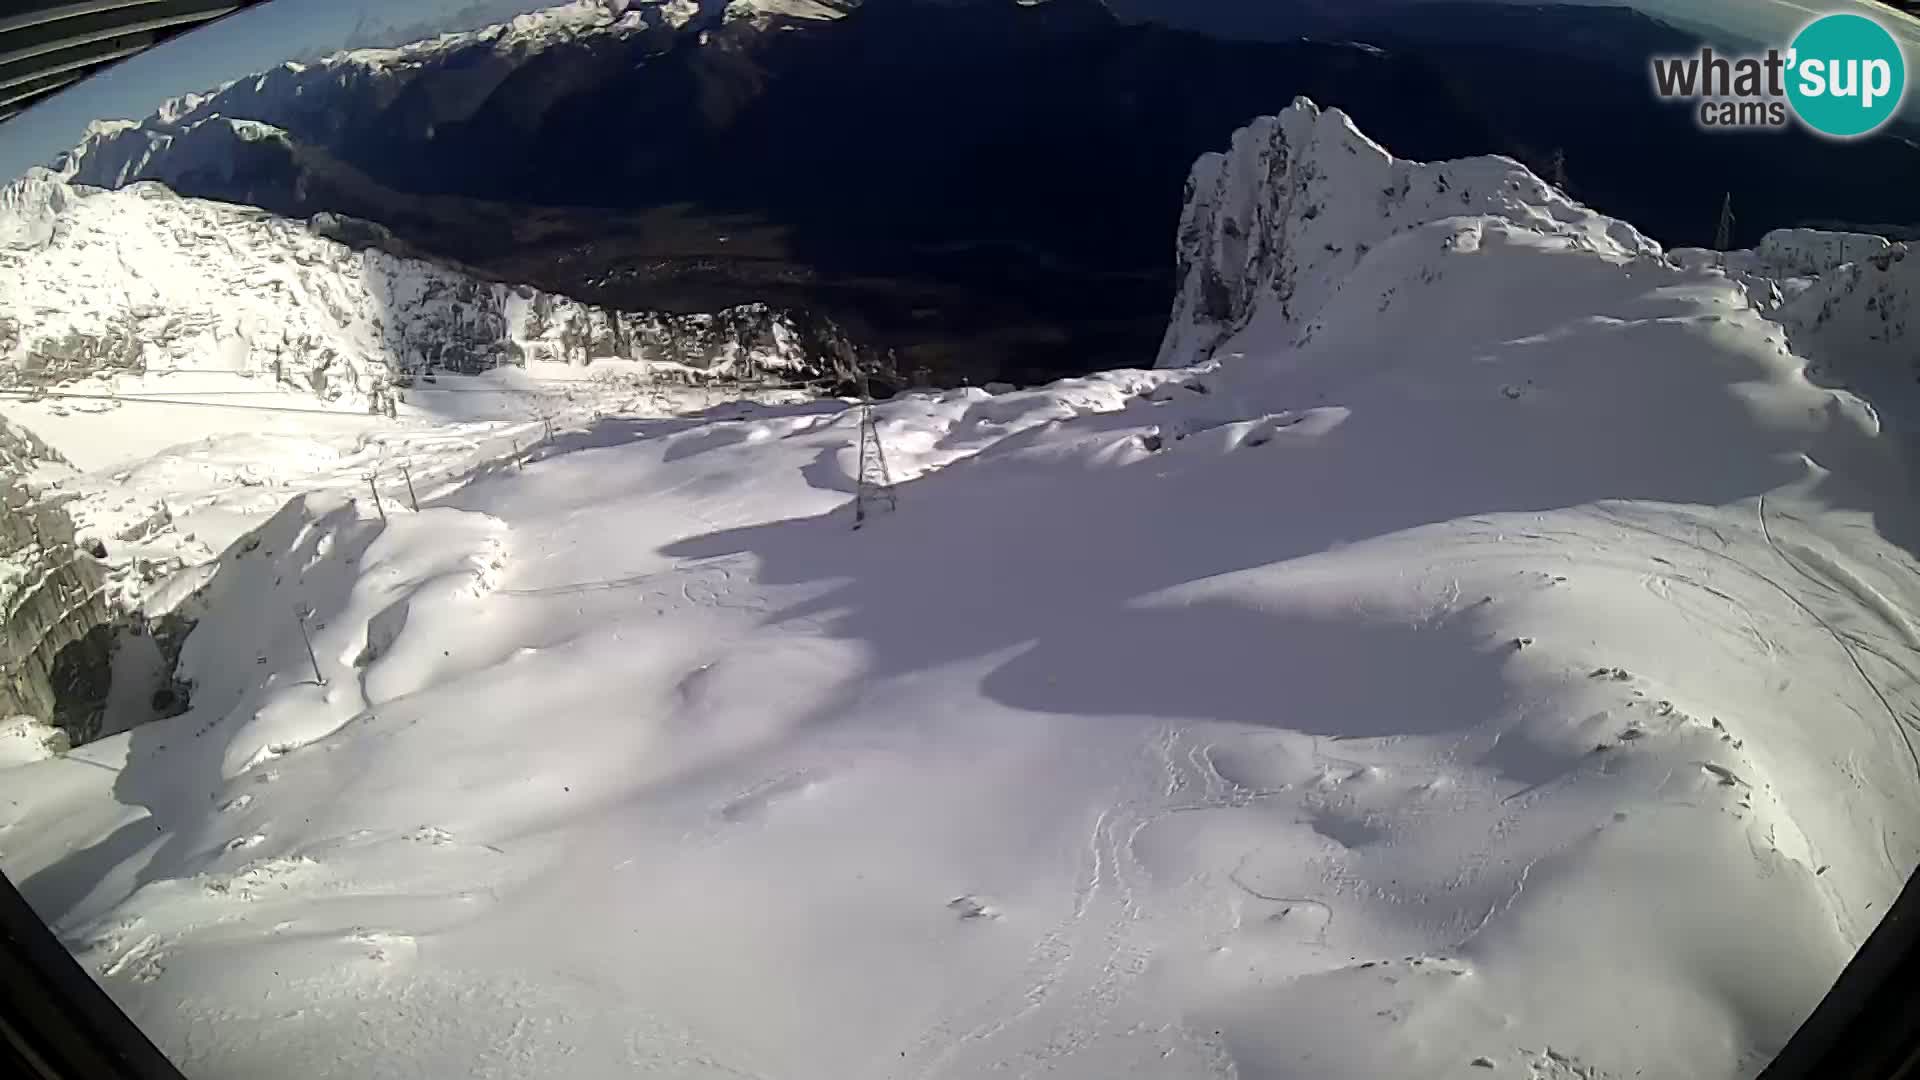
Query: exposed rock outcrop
(55,637)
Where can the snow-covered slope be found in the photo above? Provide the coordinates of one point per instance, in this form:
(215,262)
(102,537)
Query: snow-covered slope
(141,279)
(1848,303)
(1497,656)
(1858,322)
(1805,253)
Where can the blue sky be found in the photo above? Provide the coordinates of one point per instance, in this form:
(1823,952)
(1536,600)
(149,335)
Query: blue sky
(241,44)
(263,36)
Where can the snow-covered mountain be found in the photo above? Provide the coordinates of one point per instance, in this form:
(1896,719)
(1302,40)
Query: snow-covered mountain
(1307,231)
(1279,227)
(331,96)
(140,279)
(1493,657)
(374,32)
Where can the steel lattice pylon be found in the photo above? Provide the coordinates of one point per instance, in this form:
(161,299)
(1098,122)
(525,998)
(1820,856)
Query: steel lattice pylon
(873,481)
(873,491)
(1723,232)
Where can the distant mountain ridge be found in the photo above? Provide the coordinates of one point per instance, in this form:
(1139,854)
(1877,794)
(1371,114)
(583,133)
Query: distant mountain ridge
(983,186)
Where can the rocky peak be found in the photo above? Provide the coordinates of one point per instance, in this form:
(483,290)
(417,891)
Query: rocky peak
(1292,210)
(29,206)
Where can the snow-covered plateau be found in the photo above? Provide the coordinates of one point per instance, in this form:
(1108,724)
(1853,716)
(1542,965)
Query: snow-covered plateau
(1478,647)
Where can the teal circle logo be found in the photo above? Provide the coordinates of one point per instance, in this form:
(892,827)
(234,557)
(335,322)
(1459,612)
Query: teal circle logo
(1846,75)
